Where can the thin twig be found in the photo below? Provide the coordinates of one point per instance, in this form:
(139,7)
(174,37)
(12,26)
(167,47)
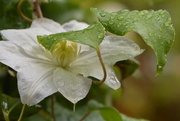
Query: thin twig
(21,13)
(52,108)
(85,116)
(44,114)
(22,111)
(38,9)
(103,67)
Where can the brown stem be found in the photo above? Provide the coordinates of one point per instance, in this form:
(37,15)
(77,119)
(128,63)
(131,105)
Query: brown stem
(38,9)
(21,13)
(52,108)
(103,67)
(85,116)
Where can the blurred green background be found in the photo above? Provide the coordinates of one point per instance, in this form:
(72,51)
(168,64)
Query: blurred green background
(143,95)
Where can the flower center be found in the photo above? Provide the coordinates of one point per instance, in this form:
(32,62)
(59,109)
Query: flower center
(65,52)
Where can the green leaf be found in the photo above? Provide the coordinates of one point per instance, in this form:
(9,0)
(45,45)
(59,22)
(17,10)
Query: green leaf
(10,19)
(110,114)
(126,67)
(126,118)
(62,11)
(8,104)
(92,36)
(11,108)
(155,27)
(107,113)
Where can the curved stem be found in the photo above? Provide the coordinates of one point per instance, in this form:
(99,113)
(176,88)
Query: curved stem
(52,108)
(22,111)
(103,67)
(38,9)
(21,13)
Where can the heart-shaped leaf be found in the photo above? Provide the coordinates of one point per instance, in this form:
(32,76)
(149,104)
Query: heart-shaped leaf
(92,36)
(155,27)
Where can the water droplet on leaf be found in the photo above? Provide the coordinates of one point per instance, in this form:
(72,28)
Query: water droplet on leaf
(102,14)
(120,18)
(110,22)
(100,36)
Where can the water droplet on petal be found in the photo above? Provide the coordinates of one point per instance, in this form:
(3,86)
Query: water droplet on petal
(60,83)
(113,79)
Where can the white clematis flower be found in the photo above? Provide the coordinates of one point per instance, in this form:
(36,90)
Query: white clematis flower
(41,73)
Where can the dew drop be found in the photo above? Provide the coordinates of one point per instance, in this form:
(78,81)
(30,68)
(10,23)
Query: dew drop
(102,14)
(160,37)
(158,19)
(119,25)
(141,13)
(125,10)
(167,24)
(159,67)
(150,34)
(100,36)
(149,16)
(112,17)
(114,14)
(110,22)
(91,27)
(112,79)
(120,18)
(61,83)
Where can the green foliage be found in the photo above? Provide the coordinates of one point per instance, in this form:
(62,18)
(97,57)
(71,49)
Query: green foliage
(10,17)
(109,113)
(92,36)
(8,104)
(155,27)
(63,11)
(126,118)
(92,111)
(11,108)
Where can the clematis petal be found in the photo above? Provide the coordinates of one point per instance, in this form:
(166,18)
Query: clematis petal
(27,38)
(35,82)
(111,79)
(13,56)
(34,75)
(74,25)
(48,25)
(113,49)
(72,87)
(95,70)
